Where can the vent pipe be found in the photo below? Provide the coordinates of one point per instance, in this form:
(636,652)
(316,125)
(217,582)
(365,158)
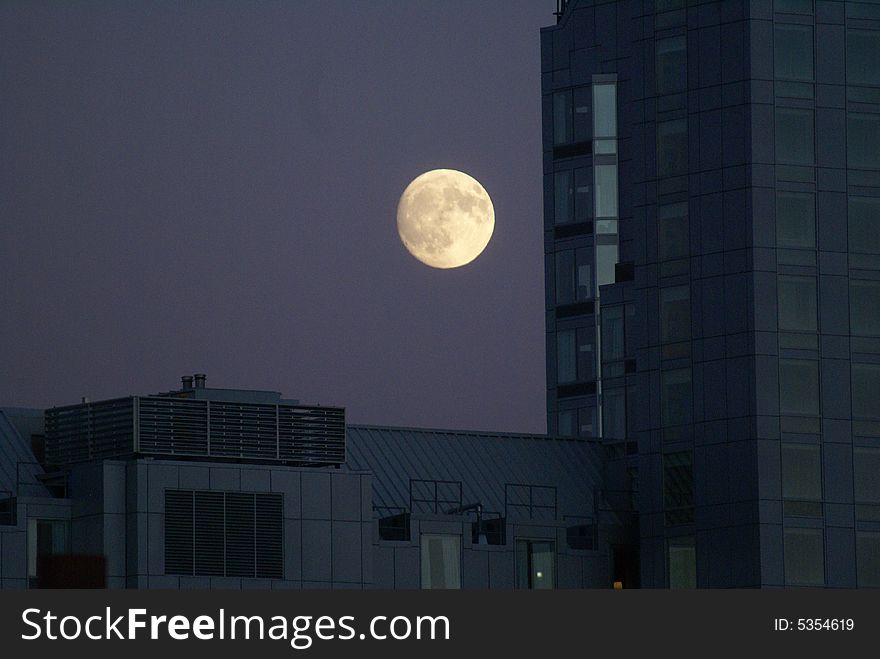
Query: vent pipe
(186,382)
(200,380)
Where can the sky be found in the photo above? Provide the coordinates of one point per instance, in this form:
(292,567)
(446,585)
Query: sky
(212,187)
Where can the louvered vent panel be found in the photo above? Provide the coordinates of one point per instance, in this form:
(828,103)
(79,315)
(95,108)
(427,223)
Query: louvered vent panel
(243,430)
(270,536)
(209,534)
(240,535)
(173,426)
(178,532)
(92,430)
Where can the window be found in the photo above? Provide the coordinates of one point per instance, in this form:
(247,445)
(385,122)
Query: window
(799,387)
(535,564)
(864,307)
(562,124)
(233,534)
(576,360)
(682,562)
(579,422)
(795,220)
(676,397)
(672,157)
(671,65)
(563,196)
(606,259)
(8,509)
(675,314)
(574,276)
(441,561)
(613,349)
(864,224)
(673,239)
(868,559)
(804,557)
(794,136)
(801,476)
(606,190)
(678,487)
(863,57)
(863,140)
(587,422)
(583,194)
(793,52)
(865,385)
(866,482)
(566,423)
(793,6)
(614,413)
(797,303)
(46,537)
(605,118)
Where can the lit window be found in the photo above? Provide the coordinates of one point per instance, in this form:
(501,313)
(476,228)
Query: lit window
(671,65)
(794,136)
(799,387)
(795,220)
(793,52)
(535,564)
(797,303)
(441,561)
(864,307)
(804,557)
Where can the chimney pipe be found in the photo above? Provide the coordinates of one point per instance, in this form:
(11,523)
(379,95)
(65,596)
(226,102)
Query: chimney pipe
(186,382)
(200,380)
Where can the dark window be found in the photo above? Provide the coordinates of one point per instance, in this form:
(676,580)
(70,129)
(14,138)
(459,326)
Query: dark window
(583,194)
(441,561)
(865,385)
(563,196)
(795,220)
(682,562)
(799,387)
(673,239)
(575,355)
(563,130)
(671,65)
(864,224)
(678,487)
(866,482)
(8,508)
(574,276)
(793,52)
(794,136)
(613,347)
(863,141)
(864,307)
(223,534)
(863,57)
(868,559)
(395,527)
(797,303)
(801,473)
(535,564)
(614,413)
(565,425)
(676,397)
(793,6)
(804,557)
(675,314)
(46,537)
(672,145)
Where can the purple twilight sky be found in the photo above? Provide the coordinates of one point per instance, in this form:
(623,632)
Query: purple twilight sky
(212,186)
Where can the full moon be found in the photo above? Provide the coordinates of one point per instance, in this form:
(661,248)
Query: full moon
(445,218)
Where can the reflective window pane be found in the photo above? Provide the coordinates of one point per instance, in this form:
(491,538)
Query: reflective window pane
(795,220)
(441,561)
(865,385)
(672,157)
(563,196)
(562,125)
(606,259)
(799,387)
(796,303)
(793,52)
(864,307)
(863,57)
(794,136)
(675,314)
(676,397)
(535,564)
(864,224)
(682,563)
(673,239)
(606,190)
(801,472)
(604,110)
(804,557)
(868,559)
(863,141)
(671,65)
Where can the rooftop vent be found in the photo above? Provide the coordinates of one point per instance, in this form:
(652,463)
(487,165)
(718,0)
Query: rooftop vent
(200,380)
(186,382)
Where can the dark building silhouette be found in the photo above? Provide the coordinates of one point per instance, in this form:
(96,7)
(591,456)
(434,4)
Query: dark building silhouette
(712,241)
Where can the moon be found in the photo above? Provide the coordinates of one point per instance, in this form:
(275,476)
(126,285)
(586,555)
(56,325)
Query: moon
(445,218)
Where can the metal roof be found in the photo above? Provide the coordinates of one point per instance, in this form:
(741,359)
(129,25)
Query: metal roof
(483,462)
(18,466)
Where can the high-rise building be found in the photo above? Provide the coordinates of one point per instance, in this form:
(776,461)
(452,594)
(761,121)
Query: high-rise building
(712,241)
